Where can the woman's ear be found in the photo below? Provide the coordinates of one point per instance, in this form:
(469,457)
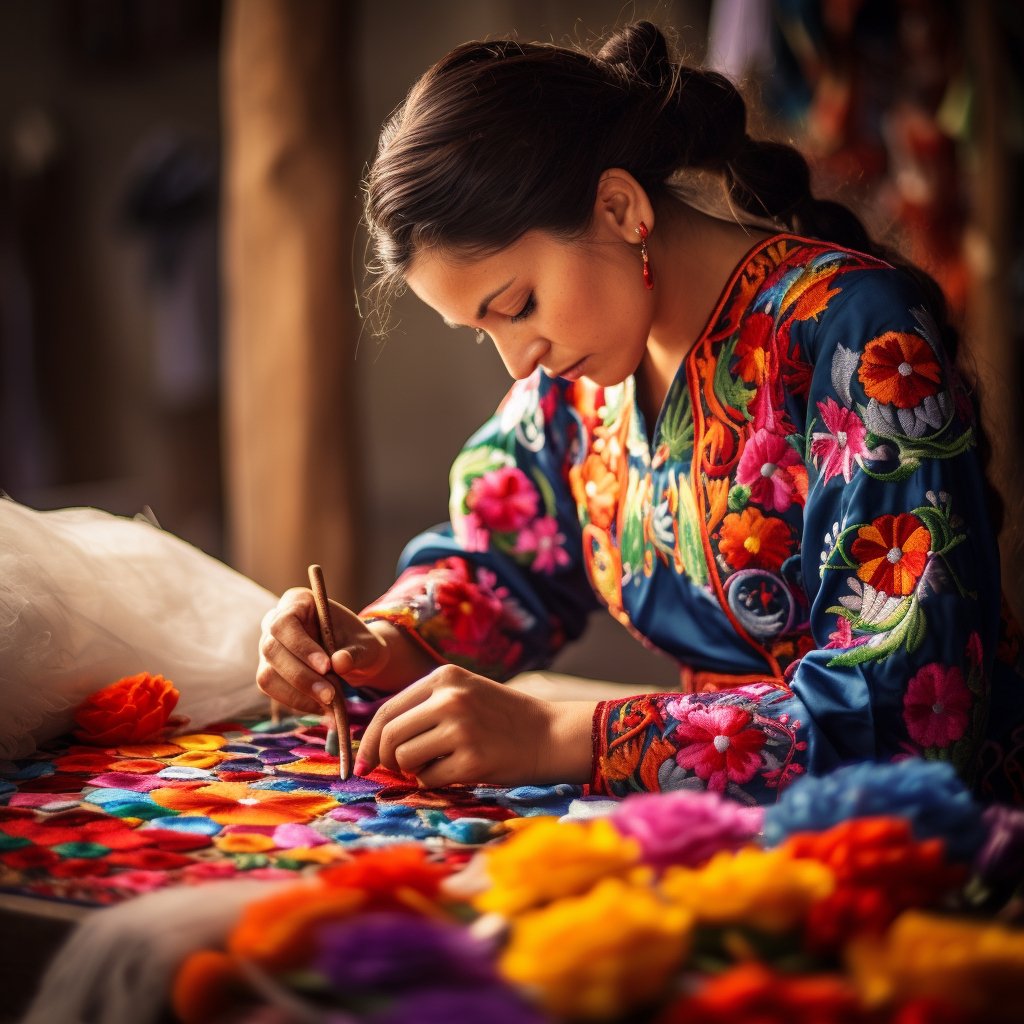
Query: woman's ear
(621,204)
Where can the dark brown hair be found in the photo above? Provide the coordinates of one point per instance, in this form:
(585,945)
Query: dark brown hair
(501,137)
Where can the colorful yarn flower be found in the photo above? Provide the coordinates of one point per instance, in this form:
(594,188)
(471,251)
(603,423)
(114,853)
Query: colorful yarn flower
(974,965)
(765,890)
(132,710)
(685,827)
(929,794)
(386,952)
(751,992)
(208,988)
(597,955)
(548,860)
(879,871)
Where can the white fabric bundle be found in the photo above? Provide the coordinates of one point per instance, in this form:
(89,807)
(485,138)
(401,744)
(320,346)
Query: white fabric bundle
(118,965)
(87,597)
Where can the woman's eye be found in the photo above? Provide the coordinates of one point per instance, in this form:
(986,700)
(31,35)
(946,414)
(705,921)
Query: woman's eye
(529,306)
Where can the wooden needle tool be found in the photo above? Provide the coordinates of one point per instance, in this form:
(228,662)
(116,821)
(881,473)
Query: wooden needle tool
(341,726)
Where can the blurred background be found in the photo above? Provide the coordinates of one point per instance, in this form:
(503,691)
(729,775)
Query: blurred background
(181,326)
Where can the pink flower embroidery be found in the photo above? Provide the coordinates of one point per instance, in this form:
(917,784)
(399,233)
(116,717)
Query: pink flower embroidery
(471,532)
(843,636)
(935,705)
(772,470)
(544,538)
(719,744)
(504,499)
(842,444)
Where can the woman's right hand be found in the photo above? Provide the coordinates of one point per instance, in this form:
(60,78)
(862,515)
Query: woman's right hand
(293,663)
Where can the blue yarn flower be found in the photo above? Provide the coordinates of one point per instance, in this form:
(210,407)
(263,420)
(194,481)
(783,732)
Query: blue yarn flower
(929,794)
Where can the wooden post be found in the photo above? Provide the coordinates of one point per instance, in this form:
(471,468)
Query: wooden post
(291,450)
(991,250)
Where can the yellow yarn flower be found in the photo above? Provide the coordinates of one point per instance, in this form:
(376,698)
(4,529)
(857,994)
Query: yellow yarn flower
(977,966)
(762,889)
(551,860)
(597,955)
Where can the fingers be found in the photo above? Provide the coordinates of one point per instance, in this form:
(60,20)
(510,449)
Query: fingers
(292,663)
(377,748)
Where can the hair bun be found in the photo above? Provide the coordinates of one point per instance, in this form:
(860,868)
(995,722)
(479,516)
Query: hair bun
(641,50)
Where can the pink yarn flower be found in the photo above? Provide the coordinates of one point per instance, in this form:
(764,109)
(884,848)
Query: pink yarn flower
(504,499)
(719,744)
(841,444)
(543,537)
(772,470)
(936,704)
(685,827)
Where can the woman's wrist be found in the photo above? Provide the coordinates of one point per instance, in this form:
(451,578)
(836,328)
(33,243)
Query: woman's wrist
(408,659)
(567,752)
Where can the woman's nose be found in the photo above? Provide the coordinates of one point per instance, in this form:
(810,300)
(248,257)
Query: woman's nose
(520,358)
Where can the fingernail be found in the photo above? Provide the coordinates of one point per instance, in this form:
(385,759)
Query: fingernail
(320,663)
(323,692)
(360,766)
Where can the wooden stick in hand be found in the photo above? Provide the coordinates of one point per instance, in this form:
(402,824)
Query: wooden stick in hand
(323,611)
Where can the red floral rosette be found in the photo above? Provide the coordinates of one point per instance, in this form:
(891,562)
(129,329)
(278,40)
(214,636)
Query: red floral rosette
(135,709)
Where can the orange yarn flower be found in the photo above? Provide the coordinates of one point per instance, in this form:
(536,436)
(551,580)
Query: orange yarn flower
(899,369)
(235,803)
(208,987)
(750,538)
(132,710)
(893,551)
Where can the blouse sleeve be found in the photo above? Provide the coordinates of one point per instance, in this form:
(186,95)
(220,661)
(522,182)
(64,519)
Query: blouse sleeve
(899,565)
(501,586)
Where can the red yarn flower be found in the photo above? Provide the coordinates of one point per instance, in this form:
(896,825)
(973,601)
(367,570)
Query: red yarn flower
(132,710)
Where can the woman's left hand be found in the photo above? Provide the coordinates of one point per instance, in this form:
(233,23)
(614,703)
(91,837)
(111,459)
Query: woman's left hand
(453,726)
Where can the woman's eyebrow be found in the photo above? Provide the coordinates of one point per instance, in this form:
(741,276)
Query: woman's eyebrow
(481,311)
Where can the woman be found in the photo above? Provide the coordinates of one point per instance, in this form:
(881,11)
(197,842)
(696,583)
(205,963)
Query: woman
(743,433)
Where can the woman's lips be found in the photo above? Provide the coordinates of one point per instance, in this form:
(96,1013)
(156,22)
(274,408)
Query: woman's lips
(575,371)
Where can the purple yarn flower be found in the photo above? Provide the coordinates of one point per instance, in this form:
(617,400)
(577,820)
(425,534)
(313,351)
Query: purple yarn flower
(685,827)
(1001,860)
(384,952)
(929,794)
(495,1004)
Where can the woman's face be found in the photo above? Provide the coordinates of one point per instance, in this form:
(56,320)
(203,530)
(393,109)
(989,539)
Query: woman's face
(575,309)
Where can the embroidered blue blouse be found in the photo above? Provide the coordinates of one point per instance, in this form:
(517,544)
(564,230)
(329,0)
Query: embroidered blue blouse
(804,529)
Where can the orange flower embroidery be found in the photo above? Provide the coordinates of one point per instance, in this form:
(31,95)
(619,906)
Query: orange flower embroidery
(899,369)
(235,803)
(749,538)
(892,552)
(597,487)
(132,710)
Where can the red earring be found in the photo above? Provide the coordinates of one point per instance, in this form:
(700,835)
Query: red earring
(648,275)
